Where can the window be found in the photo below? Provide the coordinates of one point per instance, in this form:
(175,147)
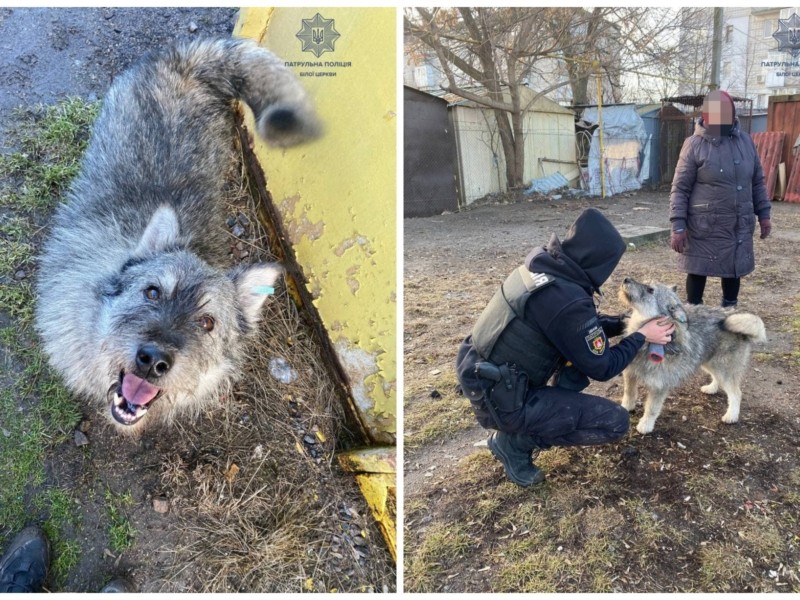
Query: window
(726,69)
(768,28)
(728,33)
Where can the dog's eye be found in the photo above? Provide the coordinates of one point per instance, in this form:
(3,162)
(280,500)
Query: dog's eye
(206,322)
(152,293)
(650,290)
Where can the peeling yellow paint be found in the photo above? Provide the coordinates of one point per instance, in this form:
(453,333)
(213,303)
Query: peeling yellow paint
(336,201)
(375,470)
(337,196)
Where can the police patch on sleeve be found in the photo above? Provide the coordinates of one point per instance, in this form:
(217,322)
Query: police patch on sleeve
(596,340)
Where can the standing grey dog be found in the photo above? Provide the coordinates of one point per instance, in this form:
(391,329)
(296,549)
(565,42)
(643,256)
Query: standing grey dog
(709,337)
(137,307)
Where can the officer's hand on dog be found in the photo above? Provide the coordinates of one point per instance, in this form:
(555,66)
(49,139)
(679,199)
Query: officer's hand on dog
(657,331)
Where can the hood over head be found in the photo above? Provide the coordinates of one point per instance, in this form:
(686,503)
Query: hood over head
(588,255)
(595,245)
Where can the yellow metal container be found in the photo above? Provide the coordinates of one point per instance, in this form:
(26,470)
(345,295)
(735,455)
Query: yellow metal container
(336,202)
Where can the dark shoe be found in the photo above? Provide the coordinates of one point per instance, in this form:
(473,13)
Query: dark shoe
(729,303)
(119,586)
(514,451)
(24,566)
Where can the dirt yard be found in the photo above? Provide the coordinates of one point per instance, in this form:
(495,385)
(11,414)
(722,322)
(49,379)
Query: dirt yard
(695,506)
(249,497)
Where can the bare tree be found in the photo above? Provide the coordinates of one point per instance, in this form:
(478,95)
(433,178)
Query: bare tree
(498,51)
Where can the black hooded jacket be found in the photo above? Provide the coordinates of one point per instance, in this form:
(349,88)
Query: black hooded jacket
(563,311)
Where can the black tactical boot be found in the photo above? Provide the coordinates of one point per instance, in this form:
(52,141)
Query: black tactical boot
(23,568)
(729,303)
(514,451)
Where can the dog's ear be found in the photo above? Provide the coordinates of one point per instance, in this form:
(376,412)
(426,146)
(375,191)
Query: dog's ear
(677,312)
(161,232)
(253,284)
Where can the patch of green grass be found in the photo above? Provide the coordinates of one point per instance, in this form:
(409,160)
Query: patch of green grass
(441,546)
(763,539)
(16,300)
(120,530)
(431,420)
(36,412)
(21,458)
(50,142)
(59,527)
(722,568)
(540,571)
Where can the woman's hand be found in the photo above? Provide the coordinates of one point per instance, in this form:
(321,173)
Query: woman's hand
(678,241)
(766,227)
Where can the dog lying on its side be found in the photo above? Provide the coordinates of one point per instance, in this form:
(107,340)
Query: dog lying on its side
(706,337)
(138,307)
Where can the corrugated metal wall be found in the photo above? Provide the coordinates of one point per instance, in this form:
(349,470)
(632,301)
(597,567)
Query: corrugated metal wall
(783,114)
(549,137)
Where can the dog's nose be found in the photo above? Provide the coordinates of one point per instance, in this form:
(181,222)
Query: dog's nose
(153,360)
(626,280)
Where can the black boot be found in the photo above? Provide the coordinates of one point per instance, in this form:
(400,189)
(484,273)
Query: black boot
(514,451)
(24,565)
(729,303)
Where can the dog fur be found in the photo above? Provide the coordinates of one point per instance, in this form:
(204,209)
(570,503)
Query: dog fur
(716,340)
(138,307)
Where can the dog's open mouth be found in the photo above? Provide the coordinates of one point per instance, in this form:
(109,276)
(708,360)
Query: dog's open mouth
(131,398)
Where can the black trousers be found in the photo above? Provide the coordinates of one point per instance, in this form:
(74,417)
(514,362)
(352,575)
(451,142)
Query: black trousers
(554,416)
(696,285)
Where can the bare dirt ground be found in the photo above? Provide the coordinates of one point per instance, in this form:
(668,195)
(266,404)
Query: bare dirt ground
(247,498)
(696,506)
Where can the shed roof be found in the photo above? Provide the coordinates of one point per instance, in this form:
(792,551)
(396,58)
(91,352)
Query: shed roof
(424,94)
(541,105)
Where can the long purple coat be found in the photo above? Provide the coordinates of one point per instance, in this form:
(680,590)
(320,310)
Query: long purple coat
(717,191)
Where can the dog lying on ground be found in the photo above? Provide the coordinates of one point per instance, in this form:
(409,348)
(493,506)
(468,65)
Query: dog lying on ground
(138,307)
(706,337)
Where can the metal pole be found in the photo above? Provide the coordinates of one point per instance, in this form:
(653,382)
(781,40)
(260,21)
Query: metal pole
(716,49)
(600,130)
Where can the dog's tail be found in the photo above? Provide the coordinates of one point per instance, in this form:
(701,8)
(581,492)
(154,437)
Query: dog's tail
(746,324)
(242,70)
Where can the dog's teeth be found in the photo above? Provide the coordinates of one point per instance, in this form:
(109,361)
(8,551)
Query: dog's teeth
(118,400)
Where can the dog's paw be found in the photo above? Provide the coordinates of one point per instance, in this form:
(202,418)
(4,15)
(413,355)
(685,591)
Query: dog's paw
(644,426)
(629,404)
(730,417)
(711,388)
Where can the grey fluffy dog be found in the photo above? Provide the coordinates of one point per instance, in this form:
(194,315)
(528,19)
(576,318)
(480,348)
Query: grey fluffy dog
(137,306)
(710,338)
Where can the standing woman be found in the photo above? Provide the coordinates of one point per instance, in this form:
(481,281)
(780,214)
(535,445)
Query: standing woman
(717,193)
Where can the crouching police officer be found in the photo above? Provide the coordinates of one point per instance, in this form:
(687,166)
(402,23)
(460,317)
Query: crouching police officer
(542,326)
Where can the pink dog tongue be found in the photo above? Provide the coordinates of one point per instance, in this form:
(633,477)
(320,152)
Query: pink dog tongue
(137,391)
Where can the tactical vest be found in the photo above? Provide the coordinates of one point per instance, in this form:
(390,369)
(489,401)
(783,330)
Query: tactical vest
(502,335)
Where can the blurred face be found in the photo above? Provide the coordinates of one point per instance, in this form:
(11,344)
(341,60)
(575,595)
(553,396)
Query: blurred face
(719,110)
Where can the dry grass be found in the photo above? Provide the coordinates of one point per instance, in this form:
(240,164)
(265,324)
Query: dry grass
(272,512)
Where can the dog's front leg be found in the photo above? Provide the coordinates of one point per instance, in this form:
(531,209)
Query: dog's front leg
(630,392)
(652,408)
